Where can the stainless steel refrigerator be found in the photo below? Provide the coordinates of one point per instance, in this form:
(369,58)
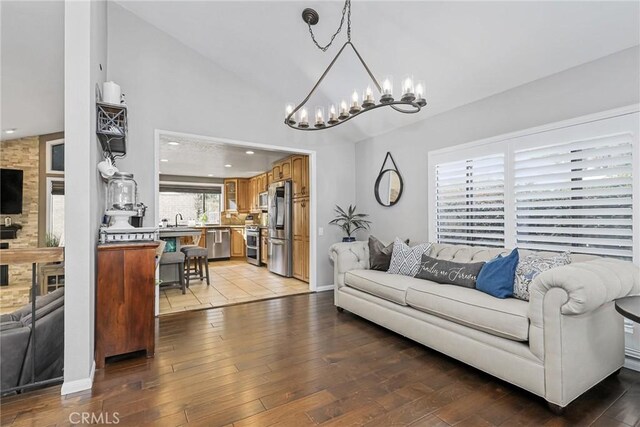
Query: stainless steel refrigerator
(280,229)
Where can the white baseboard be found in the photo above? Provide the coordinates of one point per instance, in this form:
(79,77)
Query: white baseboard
(632,359)
(324,288)
(82,384)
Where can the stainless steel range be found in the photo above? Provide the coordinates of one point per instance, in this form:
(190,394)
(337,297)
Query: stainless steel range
(253,244)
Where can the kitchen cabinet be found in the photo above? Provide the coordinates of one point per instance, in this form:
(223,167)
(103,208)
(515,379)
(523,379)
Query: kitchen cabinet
(300,176)
(264,246)
(258,184)
(238,242)
(282,170)
(269,178)
(236,195)
(253,193)
(125,300)
(263,185)
(301,239)
(231,195)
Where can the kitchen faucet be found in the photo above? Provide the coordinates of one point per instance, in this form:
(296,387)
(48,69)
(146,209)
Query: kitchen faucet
(181,219)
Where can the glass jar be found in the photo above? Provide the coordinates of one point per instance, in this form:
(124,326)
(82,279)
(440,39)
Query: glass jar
(122,192)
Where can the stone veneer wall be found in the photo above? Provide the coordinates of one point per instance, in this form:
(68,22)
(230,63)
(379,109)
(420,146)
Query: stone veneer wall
(22,154)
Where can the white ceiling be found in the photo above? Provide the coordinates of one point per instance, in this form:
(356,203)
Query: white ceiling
(199,157)
(32,70)
(465,51)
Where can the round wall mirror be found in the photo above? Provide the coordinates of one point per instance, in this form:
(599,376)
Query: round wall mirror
(388,187)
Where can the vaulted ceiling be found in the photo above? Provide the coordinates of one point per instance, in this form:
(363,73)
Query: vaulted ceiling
(464,51)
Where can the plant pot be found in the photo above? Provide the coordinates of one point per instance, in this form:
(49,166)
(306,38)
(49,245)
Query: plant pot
(348,239)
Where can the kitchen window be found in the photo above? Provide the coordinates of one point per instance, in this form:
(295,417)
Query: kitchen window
(574,187)
(194,203)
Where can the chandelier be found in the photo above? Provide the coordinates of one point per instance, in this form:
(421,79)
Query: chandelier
(411,99)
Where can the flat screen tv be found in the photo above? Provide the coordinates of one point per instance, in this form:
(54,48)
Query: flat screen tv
(10,191)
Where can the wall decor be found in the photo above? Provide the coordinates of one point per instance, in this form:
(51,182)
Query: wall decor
(389,185)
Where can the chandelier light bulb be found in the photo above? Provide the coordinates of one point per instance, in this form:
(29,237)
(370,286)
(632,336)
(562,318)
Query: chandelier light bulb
(407,89)
(344,110)
(387,90)
(333,115)
(304,118)
(387,86)
(355,105)
(367,98)
(287,111)
(407,85)
(319,117)
(420,89)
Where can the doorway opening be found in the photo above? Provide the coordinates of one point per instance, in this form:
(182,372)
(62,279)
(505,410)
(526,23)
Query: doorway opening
(249,209)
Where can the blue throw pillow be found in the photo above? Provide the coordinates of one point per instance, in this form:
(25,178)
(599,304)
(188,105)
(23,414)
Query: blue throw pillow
(496,277)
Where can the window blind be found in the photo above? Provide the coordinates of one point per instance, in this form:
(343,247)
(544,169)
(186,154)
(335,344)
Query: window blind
(192,188)
(470,201)
(576,196)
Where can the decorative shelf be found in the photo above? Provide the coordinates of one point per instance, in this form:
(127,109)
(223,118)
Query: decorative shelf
(10,232)
(111,128)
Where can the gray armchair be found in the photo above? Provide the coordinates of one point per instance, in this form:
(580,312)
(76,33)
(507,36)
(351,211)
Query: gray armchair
(16,365)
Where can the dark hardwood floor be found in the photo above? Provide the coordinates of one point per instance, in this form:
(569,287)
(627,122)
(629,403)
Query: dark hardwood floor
(296,361)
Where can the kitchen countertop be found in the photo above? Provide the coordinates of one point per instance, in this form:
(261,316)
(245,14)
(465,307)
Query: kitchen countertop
(178,231)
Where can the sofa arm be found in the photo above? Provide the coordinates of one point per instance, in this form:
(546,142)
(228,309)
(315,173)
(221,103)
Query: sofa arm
(348,256)
(588,285)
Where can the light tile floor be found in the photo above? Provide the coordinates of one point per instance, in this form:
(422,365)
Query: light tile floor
(232,282)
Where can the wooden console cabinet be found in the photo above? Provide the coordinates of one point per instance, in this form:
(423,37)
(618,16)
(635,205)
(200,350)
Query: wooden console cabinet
(125,300)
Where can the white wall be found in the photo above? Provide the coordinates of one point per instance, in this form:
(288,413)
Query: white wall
(607,83)
(85,51)
(171,87)
(600,85)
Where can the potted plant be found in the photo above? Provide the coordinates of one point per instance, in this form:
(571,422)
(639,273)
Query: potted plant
(51,240)
(350,222)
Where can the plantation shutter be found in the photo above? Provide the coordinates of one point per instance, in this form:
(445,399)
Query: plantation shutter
(470,201)
(577,196)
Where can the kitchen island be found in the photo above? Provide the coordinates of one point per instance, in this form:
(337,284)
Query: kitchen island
(176,237)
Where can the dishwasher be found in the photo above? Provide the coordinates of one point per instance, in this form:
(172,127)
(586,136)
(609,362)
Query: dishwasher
(218,243)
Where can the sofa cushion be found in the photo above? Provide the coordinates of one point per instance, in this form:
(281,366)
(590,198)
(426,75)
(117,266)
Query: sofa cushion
(497,275)
(43,311)
(41,301)
(391,287)
(12,324)
(501,317)
(449,272)
(406,260)
(379,254)
(531,266)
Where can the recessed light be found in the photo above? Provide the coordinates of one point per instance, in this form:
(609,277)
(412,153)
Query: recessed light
(249,152)
(210,174)
(227,166)
(9,131)
(164,160)
(173,143)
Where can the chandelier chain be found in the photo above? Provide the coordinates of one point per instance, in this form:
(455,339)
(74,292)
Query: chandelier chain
(346,10)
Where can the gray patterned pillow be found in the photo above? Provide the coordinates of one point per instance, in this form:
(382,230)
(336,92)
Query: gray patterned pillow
(530,267)
(406,260)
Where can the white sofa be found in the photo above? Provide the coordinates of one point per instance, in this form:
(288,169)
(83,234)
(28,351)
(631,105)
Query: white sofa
(562,342)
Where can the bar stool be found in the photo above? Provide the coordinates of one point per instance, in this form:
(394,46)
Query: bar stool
(174,259)
(196,255)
